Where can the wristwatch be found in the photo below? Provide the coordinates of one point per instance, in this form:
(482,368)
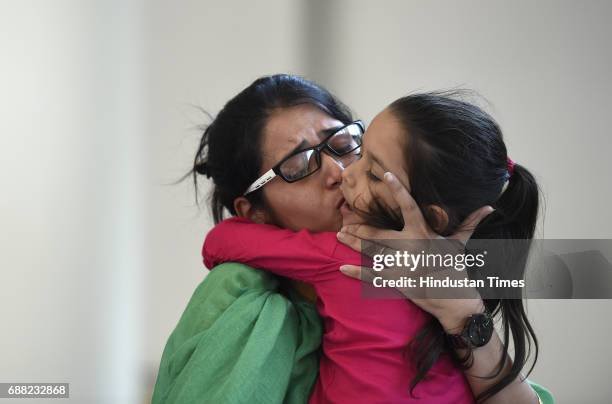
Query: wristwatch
(477,332)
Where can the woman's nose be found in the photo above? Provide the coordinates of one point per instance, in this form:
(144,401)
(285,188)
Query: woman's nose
(332,170)
(347,175)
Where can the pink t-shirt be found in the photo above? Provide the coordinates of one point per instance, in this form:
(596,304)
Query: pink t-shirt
(365,341)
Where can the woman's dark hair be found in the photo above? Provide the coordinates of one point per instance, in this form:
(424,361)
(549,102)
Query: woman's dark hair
(456,159)
(230,147)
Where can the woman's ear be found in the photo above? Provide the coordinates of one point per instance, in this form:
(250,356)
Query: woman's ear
(437,218)
(245,209)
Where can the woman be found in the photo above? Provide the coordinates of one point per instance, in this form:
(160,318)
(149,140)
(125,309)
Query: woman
(255,130)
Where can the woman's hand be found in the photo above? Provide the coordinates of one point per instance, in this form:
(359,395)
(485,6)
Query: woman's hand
(415,226)
(450,312)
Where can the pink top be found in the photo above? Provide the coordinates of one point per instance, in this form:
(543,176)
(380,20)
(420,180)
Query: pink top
(365,340)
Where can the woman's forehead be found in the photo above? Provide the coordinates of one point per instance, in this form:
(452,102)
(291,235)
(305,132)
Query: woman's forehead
(288,127)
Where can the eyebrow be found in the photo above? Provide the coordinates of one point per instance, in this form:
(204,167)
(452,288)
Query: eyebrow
(322,134)
(325,133)
(377,161)
(297,148)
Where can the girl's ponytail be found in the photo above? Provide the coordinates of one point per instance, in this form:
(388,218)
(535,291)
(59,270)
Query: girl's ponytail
(514,218)
(516,210)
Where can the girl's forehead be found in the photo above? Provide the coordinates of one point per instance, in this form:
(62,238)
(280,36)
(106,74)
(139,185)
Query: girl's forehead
(384,135)
(385,140)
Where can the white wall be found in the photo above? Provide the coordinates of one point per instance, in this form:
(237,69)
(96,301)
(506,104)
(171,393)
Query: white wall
(72,206)
(100,254)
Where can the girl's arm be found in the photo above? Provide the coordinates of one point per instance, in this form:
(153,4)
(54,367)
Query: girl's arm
(299,255)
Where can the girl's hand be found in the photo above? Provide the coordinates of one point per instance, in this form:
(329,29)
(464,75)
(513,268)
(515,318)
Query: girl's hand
(450,312)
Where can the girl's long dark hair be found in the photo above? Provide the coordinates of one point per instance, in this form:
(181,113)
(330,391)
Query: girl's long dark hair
(456,159)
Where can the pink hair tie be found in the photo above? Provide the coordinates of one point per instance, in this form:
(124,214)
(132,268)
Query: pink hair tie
(510,167)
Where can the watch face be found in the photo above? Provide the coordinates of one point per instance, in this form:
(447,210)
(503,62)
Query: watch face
(480,329)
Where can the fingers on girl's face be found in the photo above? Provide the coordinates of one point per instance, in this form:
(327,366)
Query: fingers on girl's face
(350,240)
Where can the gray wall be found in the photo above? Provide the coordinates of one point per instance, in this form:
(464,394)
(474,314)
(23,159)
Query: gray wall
(100,253)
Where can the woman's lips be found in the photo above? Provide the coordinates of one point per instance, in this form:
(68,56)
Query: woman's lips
(346,209)
(340,203)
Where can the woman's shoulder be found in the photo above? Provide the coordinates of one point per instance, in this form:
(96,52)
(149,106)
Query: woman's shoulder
(543,393)
(232,288)
(236,277)
(237,309)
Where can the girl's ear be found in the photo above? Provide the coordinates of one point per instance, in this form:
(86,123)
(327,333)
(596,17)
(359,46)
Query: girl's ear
(437,218)
(245,209)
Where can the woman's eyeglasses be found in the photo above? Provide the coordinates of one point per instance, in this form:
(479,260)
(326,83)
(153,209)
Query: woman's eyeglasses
(342,144)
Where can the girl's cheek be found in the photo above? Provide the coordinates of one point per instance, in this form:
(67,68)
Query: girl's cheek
(388,199)
(363,199)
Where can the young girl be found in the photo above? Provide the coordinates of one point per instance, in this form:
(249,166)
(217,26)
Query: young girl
(452,158)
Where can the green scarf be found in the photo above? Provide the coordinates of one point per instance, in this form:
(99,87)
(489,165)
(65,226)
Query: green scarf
(241,341)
